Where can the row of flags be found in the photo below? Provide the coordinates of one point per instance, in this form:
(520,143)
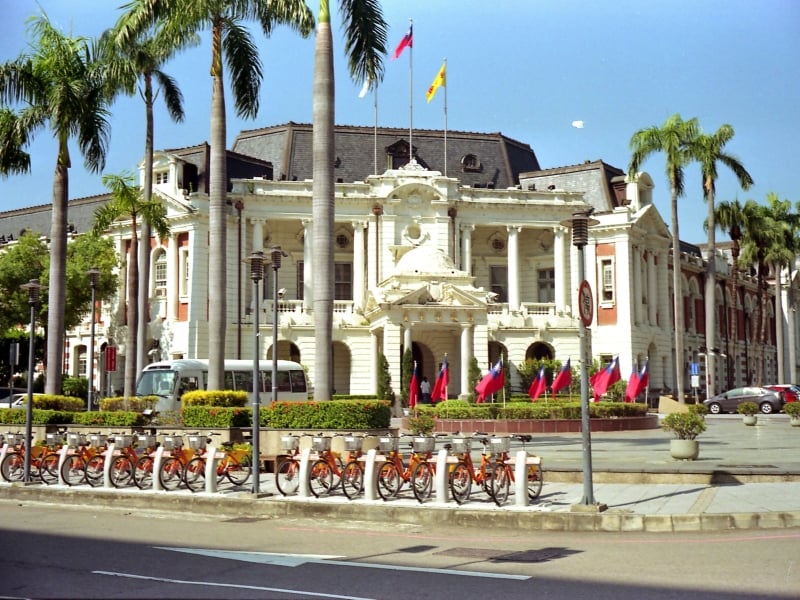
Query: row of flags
(494,381)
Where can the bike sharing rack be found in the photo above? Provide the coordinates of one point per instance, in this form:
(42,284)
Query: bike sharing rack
(212,457)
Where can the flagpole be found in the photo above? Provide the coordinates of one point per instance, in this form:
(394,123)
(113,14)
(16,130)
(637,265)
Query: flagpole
(445,116)
(411,94)
(375,127)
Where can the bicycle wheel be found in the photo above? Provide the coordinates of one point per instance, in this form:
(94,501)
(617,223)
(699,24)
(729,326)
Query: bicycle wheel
(535,480)
(238,469)
(48,468)
(13,467)
(388,480)
(121,472)
(422,481)
(352,479)
(170,476)
(460,483)
(195,474)
(320,478)
(500,484)
(73,470)
(95,470)
(287,476)
(143,472)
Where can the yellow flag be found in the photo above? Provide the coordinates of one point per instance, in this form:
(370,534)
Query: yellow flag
(438,81)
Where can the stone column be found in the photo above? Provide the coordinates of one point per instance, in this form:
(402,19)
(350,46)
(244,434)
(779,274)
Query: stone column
(513,268)
(637,285)
(308,266)
(358,264)
(466,357)
(652,290)
(560,265)
(466,247)
(173,277)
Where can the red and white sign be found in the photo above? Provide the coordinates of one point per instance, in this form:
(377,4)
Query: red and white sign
(111,358)
(585,303)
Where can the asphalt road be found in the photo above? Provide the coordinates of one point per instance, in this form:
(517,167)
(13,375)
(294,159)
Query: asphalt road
(64,552)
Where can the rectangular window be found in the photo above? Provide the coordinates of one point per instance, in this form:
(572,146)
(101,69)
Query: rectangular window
(343,281)
(498,281)
(83,365)
(547,285)
(162,177)
(184,272)
(607,279)
(300,280)
(160,276)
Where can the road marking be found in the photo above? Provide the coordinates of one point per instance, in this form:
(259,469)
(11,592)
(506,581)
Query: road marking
(296,560)
(228,585)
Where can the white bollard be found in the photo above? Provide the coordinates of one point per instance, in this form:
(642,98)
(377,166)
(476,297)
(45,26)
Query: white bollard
(3,451)
(521,479)
(303,490)
(370,473)
(63,452)
(157,468)
(107,466)
(212,461)
(441,476)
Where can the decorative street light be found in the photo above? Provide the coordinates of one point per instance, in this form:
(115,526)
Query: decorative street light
(94,274)
(275,256)
(580,237)
(32,287)
(256,261)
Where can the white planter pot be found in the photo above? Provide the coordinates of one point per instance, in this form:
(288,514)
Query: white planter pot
(684,449)
(749,419)
(794,421)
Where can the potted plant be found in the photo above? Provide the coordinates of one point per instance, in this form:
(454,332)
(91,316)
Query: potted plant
(749,410)
(793,410)
(685,426)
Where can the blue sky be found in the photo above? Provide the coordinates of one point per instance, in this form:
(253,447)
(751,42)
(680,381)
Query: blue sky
(525,68)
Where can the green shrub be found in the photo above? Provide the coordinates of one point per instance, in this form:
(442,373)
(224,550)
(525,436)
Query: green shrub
(684,426)
(422,425)
(75,386)
(18,416)
(227,398)
(344,415)
(216,417)
(747,408)
(792,409)
(133,403)
(118,418)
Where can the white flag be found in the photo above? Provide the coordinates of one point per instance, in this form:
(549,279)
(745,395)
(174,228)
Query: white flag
(364,89)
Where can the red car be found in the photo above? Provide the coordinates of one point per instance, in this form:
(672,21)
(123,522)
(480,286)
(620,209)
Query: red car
(791,392)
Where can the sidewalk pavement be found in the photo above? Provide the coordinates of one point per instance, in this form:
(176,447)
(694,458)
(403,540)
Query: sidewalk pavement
(745,478)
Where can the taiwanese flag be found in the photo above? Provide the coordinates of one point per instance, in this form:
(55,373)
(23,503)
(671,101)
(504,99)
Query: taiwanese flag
(563,379)
(538,385)
(413,390)
(440,387)
(633,386)
(644,378)
(406,42)
(602,380)
(491,382)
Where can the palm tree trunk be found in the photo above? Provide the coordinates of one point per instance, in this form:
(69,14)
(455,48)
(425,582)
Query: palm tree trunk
(58,270)
(129,384)
(677,299)
(217,285)
(144,250)
(710,296)
(323,206)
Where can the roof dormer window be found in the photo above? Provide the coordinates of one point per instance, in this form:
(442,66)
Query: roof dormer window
(161,177)
(470,164)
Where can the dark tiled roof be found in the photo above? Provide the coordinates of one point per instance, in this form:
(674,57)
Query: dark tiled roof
(498,159)
(38,218)
(599,181)
(239,166)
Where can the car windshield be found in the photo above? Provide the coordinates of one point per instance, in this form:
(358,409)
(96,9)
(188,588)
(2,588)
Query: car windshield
(156,383)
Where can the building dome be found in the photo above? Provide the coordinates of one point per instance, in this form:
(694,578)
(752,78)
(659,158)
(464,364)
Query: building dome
(424,259)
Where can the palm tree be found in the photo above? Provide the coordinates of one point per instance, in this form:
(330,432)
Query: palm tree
(59,85)
(672,139)
(134,64)
(127,203)
(365,44)
(230,40)
(708,150)
(731,218)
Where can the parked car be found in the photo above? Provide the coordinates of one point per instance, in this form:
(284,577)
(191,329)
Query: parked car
(791,391)
(768,401)
(20,400)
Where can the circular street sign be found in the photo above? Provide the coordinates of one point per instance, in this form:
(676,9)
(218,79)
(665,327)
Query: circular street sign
(585,303)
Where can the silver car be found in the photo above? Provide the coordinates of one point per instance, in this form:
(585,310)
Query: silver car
(767,400)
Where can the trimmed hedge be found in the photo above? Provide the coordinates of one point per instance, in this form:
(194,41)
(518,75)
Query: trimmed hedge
(333,414)
(223,398)
(216,417)
(57,402)
(134,403)
(553,409)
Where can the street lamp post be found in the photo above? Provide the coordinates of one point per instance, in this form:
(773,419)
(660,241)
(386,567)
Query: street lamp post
(32,287)
(580,237)
(275,256)
(256,274)
(93,274)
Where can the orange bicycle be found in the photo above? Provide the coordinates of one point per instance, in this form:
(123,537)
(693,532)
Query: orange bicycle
(464,473)
(419,472)
(43,460)
(234,464)
(73,469)
(329,469)
(287,471)
(171,473)
(503,475)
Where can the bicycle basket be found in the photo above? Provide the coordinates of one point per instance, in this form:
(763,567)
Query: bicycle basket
(461,445)
(289,442)
(97,439)
(173,442)
(388,444)
(53,439)
(197,442)
(352,443)
(14,439)
(320,443)
(145,440)
(423,444)
(123,441)
(500,444)
(73,440)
